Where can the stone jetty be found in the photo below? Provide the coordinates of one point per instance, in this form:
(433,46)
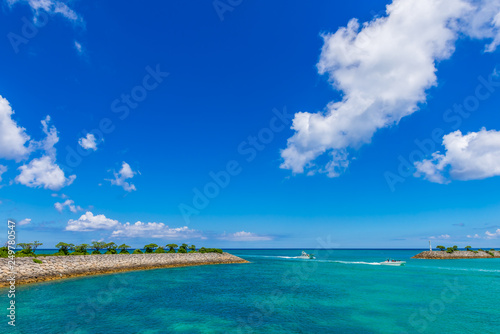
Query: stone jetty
(58,267)
(442,255)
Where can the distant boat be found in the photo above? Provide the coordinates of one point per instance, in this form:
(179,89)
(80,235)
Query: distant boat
(305,256)
(391,262)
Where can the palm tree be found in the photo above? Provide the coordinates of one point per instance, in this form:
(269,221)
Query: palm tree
(172,247)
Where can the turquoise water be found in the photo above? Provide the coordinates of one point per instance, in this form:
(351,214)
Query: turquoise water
(343,291)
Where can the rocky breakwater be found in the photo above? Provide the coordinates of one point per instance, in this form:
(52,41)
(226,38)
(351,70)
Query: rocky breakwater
(57,267)
(441,255)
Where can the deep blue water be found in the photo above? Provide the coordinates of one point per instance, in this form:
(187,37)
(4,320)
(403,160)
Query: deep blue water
(343,291)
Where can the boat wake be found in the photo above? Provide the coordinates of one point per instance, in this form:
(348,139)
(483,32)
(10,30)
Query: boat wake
(352,262)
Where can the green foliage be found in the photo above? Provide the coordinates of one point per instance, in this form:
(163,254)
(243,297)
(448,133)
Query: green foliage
(455,247)
(468,248)
(137,251)
(150,248)
(211,250)
(80,249)
(442,248)
(97,246)
(475,252)
(95,252)
(481,250)
(123,248)
(37,261)
(492,250)
(182,250)
(172,247)
(35,245)
(64,248)
(192,249)
(450,250)
(4,251)
(160,250)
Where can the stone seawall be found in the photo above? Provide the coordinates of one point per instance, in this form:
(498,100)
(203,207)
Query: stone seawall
(441,255)
(57,267)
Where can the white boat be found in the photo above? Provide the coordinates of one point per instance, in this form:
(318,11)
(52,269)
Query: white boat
(305,256)
(391,262)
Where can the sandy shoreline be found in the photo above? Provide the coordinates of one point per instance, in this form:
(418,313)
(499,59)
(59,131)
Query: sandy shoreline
(60,267)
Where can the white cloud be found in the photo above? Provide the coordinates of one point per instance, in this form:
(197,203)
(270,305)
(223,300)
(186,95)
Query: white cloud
(487,235)
(245,236)
(124,174)
(484,22)
(442,236)
(13,138)
(383,69)
(78,47)
(3,169)
(154,230)
(24,222)
(473,156)
(70,204)
(89,142)
(494,235)
(89,222)
(51,7)
(43,171)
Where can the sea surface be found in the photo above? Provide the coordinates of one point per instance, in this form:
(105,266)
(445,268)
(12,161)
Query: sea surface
(342,291)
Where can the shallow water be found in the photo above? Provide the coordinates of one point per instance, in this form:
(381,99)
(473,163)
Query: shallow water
(343,291)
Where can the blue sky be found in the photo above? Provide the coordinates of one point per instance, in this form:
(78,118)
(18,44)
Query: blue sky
(175,91)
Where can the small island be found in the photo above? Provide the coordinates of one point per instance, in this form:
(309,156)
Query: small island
(454,253)
(70,260)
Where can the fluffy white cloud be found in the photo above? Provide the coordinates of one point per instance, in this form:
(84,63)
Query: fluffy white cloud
(13,138)
(70,204)
(492,235)
(154,230)
(89,142)
(383,69)
(484,22)
(124,174)
(3,169)
(51,7)
(475,236)
(43,171)
(245,236)
(473,156)
(89,222)
(25,221)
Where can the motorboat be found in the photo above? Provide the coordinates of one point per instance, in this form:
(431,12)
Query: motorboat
(306,256)
(391,262)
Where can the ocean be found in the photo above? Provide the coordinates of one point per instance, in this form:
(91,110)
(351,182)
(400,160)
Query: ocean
(342,291)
